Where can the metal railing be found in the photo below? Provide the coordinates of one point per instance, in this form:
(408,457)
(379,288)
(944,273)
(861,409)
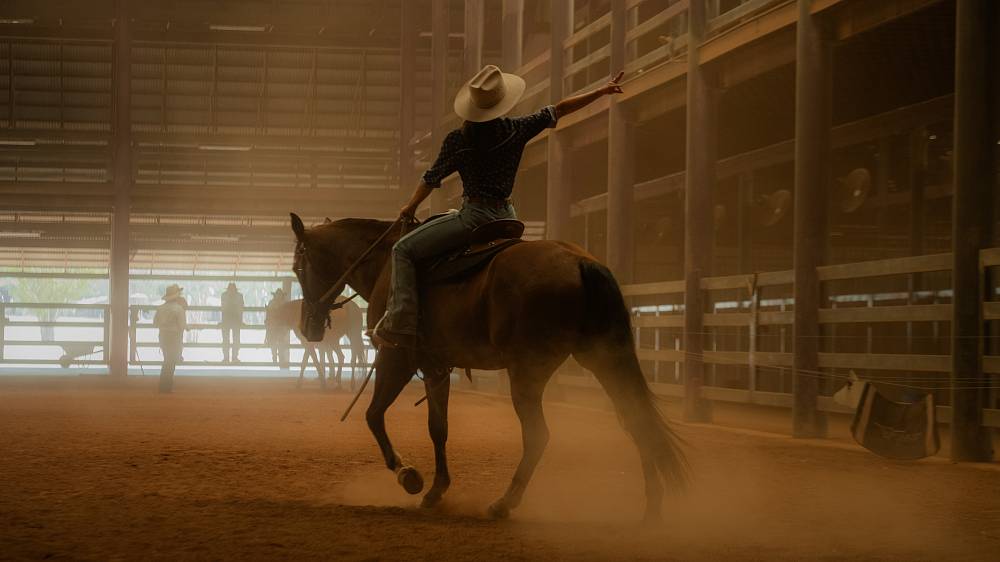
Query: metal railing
(76,339)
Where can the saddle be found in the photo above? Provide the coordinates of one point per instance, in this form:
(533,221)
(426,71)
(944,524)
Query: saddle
(485,243)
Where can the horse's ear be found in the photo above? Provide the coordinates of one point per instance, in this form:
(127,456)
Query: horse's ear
(297,227)
(327,220)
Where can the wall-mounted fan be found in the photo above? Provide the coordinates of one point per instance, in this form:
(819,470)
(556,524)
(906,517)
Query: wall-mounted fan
(853,189)
(770,209)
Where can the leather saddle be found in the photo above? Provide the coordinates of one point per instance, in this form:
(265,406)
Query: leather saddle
(485,242)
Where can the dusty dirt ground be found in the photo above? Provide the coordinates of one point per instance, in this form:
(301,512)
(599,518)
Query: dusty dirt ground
(255,469)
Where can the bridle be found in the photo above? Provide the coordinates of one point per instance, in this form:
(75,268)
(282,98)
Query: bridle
(302,259)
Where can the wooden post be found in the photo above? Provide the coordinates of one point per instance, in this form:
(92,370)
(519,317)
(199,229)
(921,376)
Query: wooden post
(513,34)
(440,99)
(3,327)
(133,326)
(975,142)
(118,298)
(408,93)
(472,60)
(558,194)
(286,339)
(621,175)
(813,80)
(698,231)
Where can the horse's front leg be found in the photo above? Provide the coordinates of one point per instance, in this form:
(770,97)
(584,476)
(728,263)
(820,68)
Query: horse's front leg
(393,372)
(437,424)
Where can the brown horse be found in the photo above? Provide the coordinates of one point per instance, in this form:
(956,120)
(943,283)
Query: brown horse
(346,321)
(527,311)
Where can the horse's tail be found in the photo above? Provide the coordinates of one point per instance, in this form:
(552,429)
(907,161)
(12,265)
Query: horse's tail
(608,350)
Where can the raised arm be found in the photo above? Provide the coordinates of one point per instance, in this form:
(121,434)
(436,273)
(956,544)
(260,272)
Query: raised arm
(571,104)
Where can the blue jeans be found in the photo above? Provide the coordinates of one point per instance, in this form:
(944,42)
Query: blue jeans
(430,240)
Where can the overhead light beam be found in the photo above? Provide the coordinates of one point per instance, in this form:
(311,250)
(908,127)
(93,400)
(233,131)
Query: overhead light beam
(248,28)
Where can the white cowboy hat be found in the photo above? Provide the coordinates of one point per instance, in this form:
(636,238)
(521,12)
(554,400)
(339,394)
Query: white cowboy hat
(172,292)
(488,95)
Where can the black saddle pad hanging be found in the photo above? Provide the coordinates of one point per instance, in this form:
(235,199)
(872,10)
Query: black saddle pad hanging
(896,430)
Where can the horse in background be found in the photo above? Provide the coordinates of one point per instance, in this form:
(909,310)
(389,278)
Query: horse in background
(346,321)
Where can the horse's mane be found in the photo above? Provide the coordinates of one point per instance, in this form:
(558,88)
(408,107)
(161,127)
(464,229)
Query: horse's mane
(366,230)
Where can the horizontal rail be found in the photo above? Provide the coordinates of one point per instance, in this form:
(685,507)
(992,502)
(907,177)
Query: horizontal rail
(38,324)
(989,257)
(763,279)
(675,355)
(669,321)
(659,288)
(54,343)
(745,10)
(775,318)
(53,306)
(881,314)
(587,61)
(880,268)
(886,362)
(727,319)
(535,63)
(586,31)
(655,21)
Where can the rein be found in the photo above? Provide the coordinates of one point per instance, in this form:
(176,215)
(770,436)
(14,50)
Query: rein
(343,278)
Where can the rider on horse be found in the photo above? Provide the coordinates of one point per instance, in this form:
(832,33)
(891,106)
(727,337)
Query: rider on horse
(486,152)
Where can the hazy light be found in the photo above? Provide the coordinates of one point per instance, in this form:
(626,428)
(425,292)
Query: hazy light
(222,147)
(17,143)
(17,21)
(221,27)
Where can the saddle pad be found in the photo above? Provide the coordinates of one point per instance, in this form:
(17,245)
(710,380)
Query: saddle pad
(467,261)
(895,430)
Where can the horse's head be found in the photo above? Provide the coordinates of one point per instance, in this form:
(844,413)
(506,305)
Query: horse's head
(314,277)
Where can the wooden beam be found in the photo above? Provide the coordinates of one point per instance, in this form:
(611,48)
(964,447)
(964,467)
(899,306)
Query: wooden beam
(702,109)
(813,114)
(119,285)
(513,34)
(976,92)
(558,193)
(621,164)
(407,93)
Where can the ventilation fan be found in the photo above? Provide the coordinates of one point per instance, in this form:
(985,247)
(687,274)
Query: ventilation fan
(854,189)
(770,209)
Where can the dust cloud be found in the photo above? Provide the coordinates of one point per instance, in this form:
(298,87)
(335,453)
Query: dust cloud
(255,469)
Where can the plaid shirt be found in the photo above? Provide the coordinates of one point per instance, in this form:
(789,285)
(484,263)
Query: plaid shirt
(490,173)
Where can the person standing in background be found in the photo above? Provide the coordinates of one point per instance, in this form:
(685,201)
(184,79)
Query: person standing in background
(272,329)
(232,322)
(171,322)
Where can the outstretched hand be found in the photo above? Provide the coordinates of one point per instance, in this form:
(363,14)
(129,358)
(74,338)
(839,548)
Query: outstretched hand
(613,87)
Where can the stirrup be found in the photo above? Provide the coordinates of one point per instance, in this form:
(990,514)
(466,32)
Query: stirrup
(385,338)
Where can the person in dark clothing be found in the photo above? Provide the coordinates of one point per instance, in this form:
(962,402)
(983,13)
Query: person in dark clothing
(232,322)
(486,152)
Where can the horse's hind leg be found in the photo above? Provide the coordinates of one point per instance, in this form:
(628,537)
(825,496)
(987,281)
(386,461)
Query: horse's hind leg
(393,373)
(526,387)
(340,365)
(437,424)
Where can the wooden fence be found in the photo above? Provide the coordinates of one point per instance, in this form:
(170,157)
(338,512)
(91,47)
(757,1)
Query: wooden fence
(744,314)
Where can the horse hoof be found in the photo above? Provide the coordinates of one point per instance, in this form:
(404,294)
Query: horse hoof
(410,480)
(430,500)
(498,510)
